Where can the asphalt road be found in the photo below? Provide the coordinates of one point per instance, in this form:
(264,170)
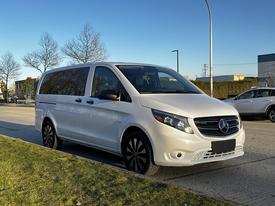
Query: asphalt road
(248,180)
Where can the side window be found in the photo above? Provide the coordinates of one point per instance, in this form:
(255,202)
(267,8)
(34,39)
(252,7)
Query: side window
(272,93)
(248,95)
(65,82)
(263,93)
(105,79)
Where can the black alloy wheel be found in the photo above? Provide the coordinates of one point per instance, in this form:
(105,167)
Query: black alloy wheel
(137,153)
(49,136)
(271,114)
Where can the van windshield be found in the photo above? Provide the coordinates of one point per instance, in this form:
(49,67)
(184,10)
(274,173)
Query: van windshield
(150,79)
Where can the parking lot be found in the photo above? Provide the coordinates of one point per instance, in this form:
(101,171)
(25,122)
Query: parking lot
(248,180)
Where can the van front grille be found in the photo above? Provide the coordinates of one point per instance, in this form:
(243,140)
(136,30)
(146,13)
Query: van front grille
(218,126)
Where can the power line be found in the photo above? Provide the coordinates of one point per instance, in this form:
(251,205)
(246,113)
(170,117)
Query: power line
(236,64)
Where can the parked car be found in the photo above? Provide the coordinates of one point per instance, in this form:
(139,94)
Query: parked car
(25,101)
(148,114)
(2,100)
(13,99)
(256,102)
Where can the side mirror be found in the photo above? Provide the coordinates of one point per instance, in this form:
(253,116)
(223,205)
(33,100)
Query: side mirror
(109,95)
(236,98)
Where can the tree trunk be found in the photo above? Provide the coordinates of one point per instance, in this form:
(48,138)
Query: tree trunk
(7,91)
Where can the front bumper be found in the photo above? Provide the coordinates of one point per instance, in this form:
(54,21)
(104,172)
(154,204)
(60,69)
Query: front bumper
(175,148)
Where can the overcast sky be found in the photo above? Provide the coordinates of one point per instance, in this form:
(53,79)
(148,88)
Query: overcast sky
(147,30)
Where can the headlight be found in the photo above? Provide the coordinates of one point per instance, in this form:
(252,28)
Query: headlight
(240,122)
(173,120)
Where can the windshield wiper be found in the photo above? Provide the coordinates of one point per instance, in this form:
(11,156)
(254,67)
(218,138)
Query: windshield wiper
(169,92)
(180,92)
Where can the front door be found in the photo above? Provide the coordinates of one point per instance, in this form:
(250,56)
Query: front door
(106,115)
(244,102)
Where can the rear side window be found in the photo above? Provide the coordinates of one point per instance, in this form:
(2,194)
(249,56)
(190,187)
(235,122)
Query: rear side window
(65,82)
(272,93)
(263,93)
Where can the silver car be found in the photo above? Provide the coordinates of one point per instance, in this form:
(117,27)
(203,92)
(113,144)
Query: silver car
(256,101)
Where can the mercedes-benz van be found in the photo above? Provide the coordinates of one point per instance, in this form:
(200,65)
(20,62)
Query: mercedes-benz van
(148,114)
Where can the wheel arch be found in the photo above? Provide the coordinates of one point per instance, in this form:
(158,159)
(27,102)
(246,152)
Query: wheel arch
(133,128)
(268,108)
(47,118)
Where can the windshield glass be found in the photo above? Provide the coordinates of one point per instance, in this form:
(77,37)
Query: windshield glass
(150,79)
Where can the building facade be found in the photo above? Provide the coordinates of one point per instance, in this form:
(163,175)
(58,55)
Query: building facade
(266,70)
(25,89)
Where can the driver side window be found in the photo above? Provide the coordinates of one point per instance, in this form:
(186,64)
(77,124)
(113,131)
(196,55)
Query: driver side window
(104,79)
(248,95)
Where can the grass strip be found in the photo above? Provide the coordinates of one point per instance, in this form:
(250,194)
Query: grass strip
(34,175)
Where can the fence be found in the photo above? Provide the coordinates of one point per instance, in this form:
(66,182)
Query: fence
(223,90)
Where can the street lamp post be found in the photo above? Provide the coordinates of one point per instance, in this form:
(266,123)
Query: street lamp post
(177,59)
(211,48)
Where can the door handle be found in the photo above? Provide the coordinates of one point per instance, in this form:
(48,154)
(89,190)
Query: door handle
(78,100)
(90,101)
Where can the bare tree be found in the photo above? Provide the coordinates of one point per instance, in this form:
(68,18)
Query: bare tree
(9,70)
(270,79)
(86,47)
(47,56)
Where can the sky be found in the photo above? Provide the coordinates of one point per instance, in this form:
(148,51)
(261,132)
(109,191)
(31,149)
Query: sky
(147,30)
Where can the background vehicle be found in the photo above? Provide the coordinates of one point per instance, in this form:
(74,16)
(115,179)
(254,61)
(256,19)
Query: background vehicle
(2,100)
(148,114)
(256,102)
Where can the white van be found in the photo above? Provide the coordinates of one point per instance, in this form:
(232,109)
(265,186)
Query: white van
(148,114)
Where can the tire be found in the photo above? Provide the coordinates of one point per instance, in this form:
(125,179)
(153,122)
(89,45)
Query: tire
(271,114)
(49,136)
(137,153)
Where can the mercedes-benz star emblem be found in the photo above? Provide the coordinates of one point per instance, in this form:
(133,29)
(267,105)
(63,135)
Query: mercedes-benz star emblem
(223,126)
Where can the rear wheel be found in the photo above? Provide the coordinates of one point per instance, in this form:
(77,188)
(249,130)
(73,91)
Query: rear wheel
(49,136)
(271,114)
(137,153)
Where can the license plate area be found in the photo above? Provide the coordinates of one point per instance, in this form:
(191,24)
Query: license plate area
(219,147)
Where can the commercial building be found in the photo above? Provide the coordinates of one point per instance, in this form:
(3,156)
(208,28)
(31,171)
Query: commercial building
(25,89)
(222,78)
(266,70)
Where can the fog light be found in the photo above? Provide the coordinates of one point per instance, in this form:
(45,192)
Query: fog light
(177,155)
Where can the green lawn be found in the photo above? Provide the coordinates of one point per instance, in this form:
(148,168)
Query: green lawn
(33,175)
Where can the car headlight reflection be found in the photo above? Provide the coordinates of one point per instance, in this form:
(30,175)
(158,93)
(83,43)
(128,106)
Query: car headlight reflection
(173,120)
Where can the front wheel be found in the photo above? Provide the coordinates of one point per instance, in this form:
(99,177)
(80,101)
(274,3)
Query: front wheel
(271,114)
(137,153)
(49,136)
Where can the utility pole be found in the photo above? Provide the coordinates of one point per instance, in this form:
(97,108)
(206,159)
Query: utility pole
(177,51)
(211,48)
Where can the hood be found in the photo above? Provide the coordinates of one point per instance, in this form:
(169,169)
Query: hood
(229,99)
(188,105)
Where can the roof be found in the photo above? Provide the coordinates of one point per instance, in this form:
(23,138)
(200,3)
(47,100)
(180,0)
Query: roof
(263,88)
(101,63)
(266,58)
